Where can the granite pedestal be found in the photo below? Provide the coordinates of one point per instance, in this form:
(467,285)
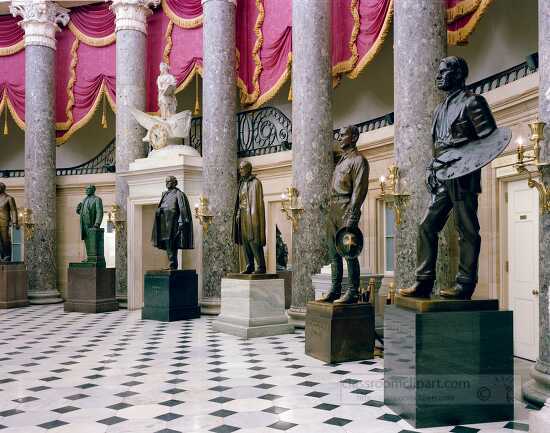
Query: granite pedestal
(90,289)
(253,306)
(340,332)
(13,285)
(448,367)
(170,295)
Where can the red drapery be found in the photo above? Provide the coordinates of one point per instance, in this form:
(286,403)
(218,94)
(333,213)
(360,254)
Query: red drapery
(85,55)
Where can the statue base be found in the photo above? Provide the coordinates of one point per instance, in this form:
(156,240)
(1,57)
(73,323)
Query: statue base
(340,332)
(13,285)
(90,289)
(170,295)
(449,367)
(253,305)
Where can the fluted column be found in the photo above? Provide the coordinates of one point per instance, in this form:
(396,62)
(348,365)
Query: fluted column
(538,389)
(420,42)
(131,58)
(40,23)
(219,148)
(312,163)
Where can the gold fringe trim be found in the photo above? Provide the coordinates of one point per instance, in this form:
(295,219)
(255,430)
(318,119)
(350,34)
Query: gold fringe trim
(169,42)
(460,9)
(104,113)
(84,121)
(247,98)
(89,40)
(12,49)
(460,36)
(70,89)
(262,99)
(5,118)
(5,102)
(197,109)
(184,23)
(376,47)
(196,70)
(347,65)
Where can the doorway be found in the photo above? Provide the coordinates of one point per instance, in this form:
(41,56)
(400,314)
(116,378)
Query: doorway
(523,267)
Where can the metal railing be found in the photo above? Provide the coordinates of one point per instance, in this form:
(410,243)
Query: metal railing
(268,130)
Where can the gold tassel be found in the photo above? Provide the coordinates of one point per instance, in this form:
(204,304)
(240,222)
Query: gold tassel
(6,119)
(197,110)
(290,93)
(104,114)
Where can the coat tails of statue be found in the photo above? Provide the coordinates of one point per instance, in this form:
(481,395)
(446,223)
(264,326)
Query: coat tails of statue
(173,226)
(8,217)
(464,120)
(91,216)
(249,220)
(350,184)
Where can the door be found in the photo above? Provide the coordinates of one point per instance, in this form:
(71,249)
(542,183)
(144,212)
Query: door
(523,267)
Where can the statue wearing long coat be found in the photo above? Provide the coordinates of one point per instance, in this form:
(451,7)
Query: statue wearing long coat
(91,214)
(249,217)
(173,212)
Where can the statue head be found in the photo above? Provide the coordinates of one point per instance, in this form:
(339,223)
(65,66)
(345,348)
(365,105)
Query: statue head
(452,74)
(171,182)
(90,190)
(163,68)
(245,169)
(348,137)
(2,188)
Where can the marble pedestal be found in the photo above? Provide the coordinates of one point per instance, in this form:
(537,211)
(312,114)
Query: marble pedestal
(340,333)
(253,306)
(170,296)
(449,367)
(13,285)
(90,289)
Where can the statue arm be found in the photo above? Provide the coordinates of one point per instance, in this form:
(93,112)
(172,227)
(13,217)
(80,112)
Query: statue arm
(360,189)
(184,214)
(481,116)
(99,212)
(79,208)
(13,211)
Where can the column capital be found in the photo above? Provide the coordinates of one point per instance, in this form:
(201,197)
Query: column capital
(132,14)
(233,2)
(40,20)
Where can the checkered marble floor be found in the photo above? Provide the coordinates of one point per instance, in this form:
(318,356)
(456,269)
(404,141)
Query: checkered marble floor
(78,373)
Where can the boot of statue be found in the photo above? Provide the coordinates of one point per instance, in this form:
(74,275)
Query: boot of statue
(350,297)
(421,289)
(459,291)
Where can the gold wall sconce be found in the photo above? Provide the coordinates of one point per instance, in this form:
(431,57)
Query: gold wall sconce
(26,221)
(390,299)
(391,192)
(530,165)
(291,205)
(115,220)
(202,213)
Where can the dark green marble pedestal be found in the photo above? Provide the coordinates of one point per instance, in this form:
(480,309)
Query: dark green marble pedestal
(90,289)
(170,296)
(339,333)
(449,367)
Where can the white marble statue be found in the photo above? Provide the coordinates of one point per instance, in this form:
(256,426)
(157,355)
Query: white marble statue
(165,131)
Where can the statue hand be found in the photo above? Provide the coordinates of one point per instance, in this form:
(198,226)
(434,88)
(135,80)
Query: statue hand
(96,226)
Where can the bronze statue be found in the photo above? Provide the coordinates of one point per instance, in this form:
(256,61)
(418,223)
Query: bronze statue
(91,215)
(173,226)
(350,184)
(249,219)
(463,118)
(8,217)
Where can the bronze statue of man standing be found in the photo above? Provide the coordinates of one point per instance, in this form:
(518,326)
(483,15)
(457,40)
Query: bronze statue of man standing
(8,217)
(459,120)
(249,220)
(173,226)
(91,215)
(350,184)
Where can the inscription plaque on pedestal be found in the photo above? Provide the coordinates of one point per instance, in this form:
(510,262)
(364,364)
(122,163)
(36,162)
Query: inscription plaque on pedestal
(340,332)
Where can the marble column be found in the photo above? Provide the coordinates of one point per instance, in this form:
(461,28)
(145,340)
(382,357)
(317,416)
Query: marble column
(131,58)
(219,146)
(312,162)
(40,23)
(420,41)
(537,390)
